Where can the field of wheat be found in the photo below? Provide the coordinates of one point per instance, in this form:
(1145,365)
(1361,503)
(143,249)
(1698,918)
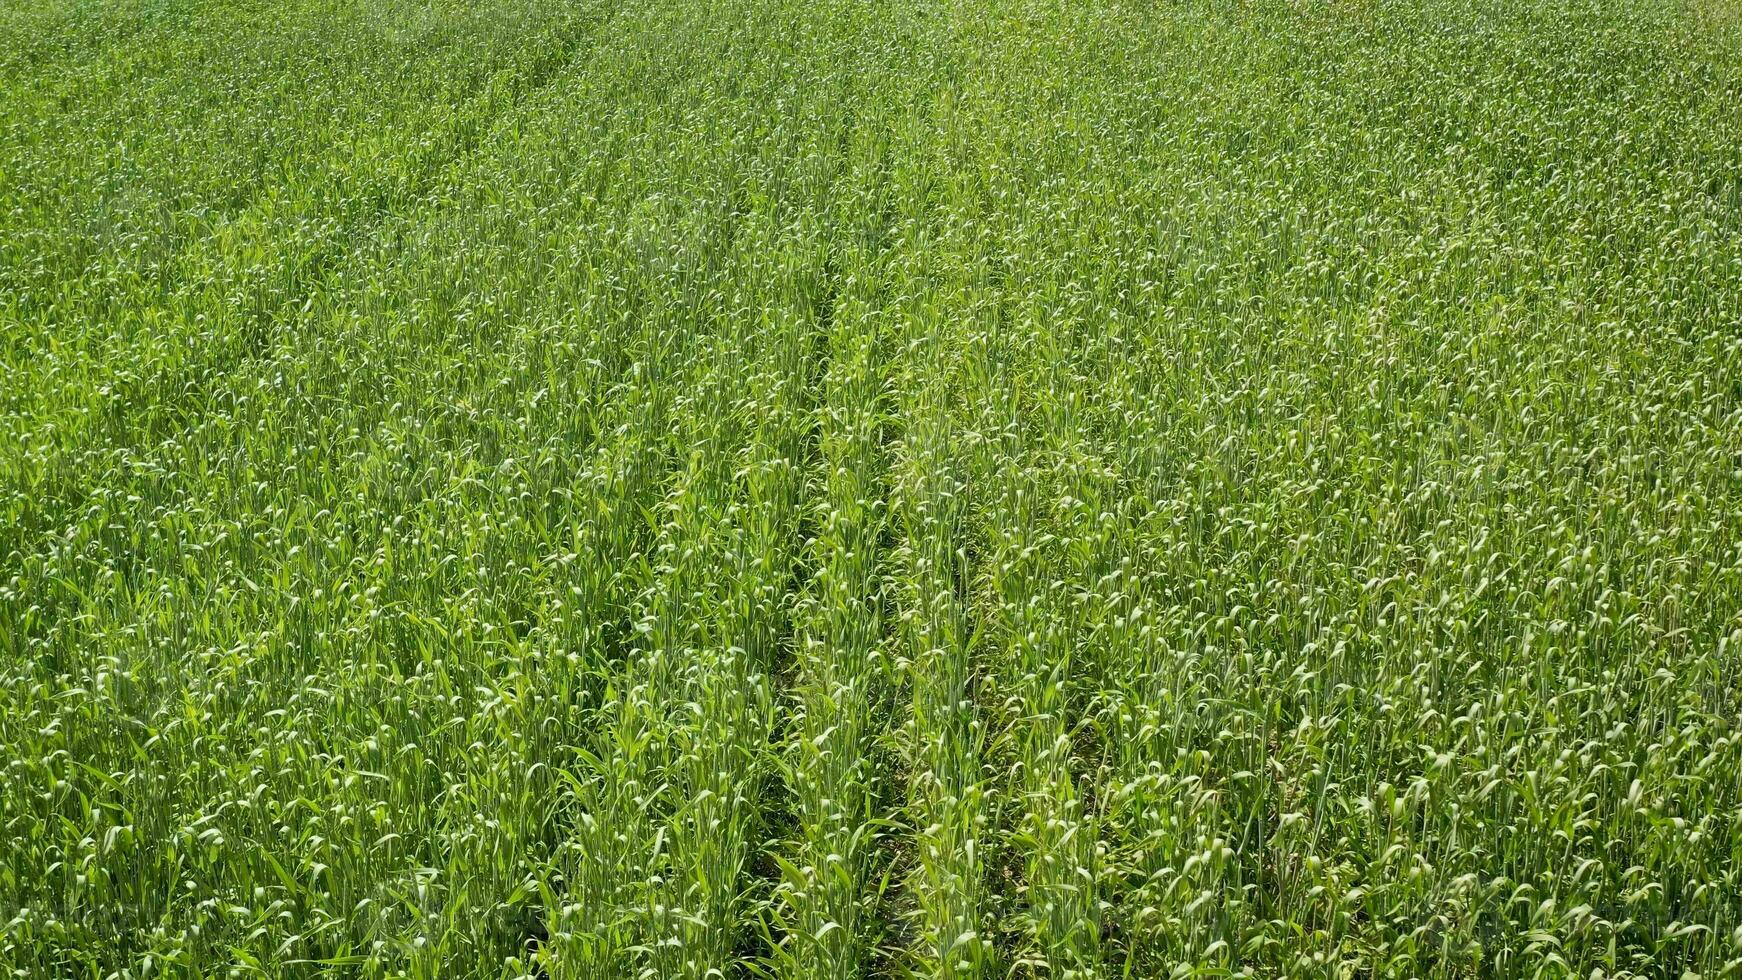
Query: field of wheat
(815,489)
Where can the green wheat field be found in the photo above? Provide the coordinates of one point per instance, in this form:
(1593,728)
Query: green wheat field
(828,489)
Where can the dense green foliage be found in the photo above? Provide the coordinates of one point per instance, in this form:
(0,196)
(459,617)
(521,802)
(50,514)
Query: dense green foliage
(821,489)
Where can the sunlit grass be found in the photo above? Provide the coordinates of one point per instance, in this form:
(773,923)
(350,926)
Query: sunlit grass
(755,488)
